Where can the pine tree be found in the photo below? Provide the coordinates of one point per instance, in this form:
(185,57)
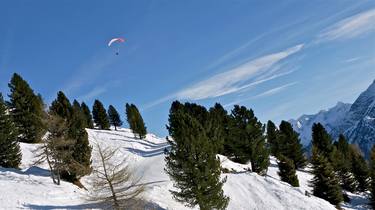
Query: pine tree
(88,117)
(82,149)
(360,169)
(135,121)
(114,117)
(290,145)
(192,164)
(287,171)
(100,115)
(246,140)
(26,109)
(61,106)
(272,133)
(325,185)
(322,140)
(372,170)
(10,153)
(217,127)
(342,164)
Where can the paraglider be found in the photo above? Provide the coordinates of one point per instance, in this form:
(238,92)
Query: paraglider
(118,41)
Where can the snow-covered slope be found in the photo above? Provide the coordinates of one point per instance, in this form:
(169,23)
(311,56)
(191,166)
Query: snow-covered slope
(32,188)
(355,121)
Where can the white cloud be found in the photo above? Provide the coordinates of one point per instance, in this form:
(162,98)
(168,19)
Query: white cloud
(93,93)
(235,79)
(349,27)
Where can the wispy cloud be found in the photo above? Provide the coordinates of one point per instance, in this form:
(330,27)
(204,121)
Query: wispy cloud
(351,60)
(269,92)
(93,93)
(235,79)
(349,27)
(248,75)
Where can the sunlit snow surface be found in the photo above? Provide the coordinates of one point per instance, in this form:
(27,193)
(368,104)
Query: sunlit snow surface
(32,188)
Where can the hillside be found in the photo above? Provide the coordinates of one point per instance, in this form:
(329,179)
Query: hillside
(32,188)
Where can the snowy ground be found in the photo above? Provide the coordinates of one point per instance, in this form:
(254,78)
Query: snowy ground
(32,188)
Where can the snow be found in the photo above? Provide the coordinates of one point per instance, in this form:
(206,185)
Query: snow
(32,188)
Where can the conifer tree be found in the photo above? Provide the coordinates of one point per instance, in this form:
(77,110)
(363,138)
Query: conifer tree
(246,140)
(192,164)
(114,117)
(10,153)
(360,169)
(87,114)
(272,133)
(217,127)
(61,106)
(100,115)
(287,172)
(26,109)
(322,140)
(135,121)
(372,171)
(324,183)
(290,145)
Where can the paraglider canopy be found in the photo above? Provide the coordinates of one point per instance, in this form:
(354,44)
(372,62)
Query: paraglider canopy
(115,40)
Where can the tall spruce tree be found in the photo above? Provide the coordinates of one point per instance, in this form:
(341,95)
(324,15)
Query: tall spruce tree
(272,133)
(290,145)
(372,172)
(246,140)
(26,109)
(10,153)
(135,121)
(322,140)
(287,171)
(192,164)
(61,106)
(360,169)
(100,115)
(325,184)
(88,117)
(114,117)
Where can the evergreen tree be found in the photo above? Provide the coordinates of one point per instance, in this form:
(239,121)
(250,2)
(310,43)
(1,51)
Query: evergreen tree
(290,145)
(61,106)
(322,140)
(359,169)
(372,170)
(272,133)
(287,171)
(100,115)
(26,109)
(325,185)
(135,121)
(342,164)
(246,140)
(10,153)
(114,117)
(87,114)
(217,124)
(192,164)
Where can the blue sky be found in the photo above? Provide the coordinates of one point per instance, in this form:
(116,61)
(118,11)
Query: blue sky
(280,58)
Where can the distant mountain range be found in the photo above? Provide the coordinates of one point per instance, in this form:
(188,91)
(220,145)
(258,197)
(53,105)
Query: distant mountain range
(356,121)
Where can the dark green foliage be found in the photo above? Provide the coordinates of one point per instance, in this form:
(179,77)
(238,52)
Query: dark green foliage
(114,117)
(360,169)
(100,115)
(290,146)
(217,127)
(342,164)
(135,121)
(272,140)
(10,153)
(246,141)
(61,106)
(372,172)
(192,164)
(325,184)
(88,117)
(322,140)
(287,171)
(26,109)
